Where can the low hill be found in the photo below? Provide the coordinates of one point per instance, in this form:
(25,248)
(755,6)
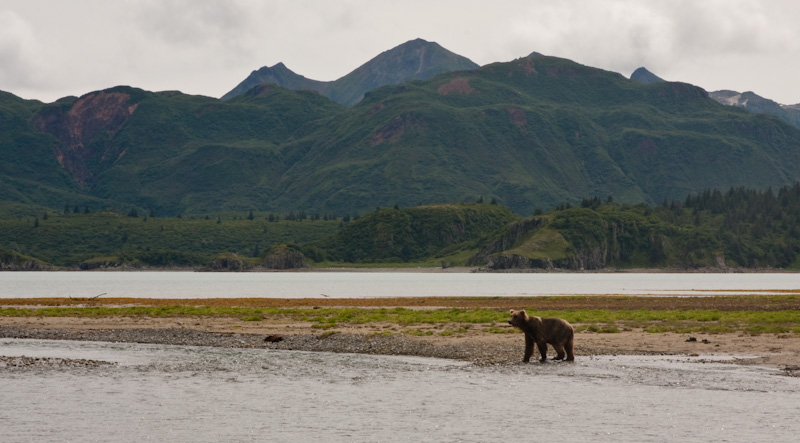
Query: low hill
(739,228)
(413,234)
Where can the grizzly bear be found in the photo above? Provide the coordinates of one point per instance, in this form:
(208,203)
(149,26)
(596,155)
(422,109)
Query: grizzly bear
(556,331)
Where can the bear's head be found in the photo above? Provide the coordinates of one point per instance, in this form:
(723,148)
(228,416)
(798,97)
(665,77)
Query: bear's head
(518,318)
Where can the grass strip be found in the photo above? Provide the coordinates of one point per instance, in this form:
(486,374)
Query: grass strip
(594,320)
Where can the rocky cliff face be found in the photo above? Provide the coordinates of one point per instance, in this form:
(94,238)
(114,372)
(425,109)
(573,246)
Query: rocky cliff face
(92,118)
(13,261)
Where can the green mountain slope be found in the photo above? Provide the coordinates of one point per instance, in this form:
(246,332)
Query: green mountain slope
(30,169)
(170,152)
(413,60)
(533,133)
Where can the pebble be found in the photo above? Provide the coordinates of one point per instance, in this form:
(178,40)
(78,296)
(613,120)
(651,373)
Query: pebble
(45,362)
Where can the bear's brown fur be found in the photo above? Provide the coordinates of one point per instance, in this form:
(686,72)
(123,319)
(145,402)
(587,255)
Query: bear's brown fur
(556,331)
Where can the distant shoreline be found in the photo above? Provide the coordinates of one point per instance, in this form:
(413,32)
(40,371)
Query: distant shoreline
(435,269)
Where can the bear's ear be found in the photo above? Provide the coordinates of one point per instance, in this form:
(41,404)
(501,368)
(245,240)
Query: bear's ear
(522,312)
(511,311)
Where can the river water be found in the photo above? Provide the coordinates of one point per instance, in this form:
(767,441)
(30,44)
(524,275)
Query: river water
(379,284)
(195,394)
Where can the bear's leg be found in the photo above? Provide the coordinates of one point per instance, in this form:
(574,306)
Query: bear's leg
(528,348)
(570,351)
(559,351)
(542,349)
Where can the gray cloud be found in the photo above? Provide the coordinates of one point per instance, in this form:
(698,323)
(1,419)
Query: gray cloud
(20,64)
(192,22)
(626,31)
(208,46)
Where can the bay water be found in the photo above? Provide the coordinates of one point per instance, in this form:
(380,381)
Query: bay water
(381,284)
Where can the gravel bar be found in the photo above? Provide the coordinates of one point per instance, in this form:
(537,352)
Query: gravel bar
(396,344)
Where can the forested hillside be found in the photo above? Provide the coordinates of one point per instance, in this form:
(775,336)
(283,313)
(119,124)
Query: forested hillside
(713,229)
(738,228)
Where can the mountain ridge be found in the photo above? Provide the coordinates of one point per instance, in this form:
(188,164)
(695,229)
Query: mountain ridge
(748,101)
(753,102)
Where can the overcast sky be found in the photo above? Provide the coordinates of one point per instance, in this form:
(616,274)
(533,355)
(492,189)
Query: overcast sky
(54,48)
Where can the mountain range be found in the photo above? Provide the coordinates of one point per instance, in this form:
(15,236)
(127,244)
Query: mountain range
(414,60)
(530,133)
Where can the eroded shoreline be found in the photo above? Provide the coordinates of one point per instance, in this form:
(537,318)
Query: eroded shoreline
(466,342)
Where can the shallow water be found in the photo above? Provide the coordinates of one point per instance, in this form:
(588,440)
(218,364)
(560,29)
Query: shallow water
(377,284)
(175,393)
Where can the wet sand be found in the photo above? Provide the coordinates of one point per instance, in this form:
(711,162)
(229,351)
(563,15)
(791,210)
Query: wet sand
(468,342)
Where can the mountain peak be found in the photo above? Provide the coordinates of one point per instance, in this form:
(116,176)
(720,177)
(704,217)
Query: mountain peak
(417,41)
(278,74)
(416,59)
(642,75)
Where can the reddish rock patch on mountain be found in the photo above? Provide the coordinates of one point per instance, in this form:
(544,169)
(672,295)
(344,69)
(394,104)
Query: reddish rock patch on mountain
(373,110)
(528,66)
(458,85)
(263,89)
(518,118)
(395,129)
(77,127)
